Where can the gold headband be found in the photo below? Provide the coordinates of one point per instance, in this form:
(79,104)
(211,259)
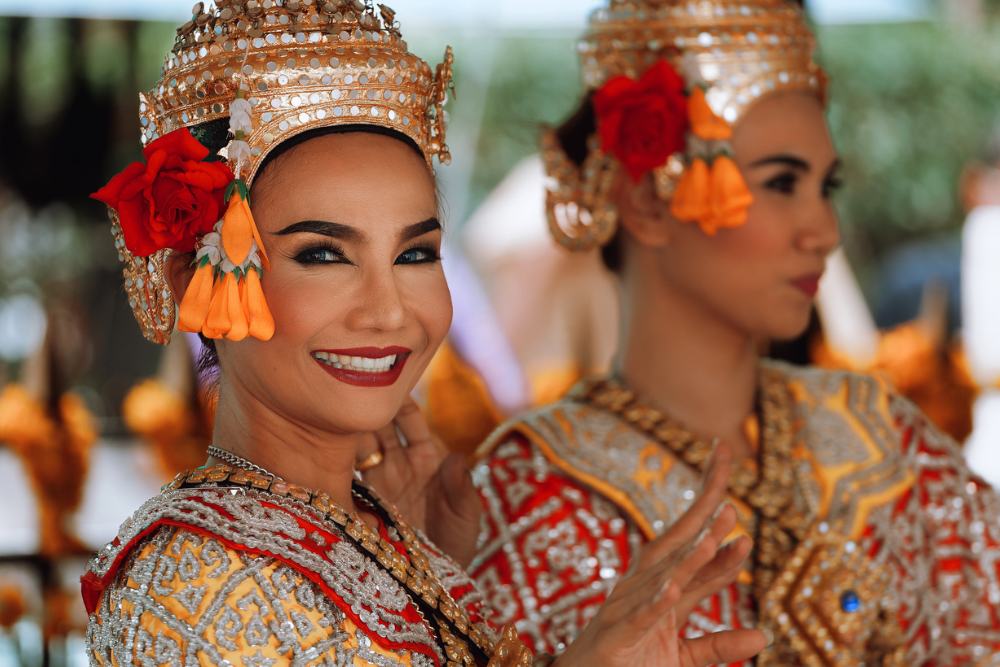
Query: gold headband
(736,51)
(300,65)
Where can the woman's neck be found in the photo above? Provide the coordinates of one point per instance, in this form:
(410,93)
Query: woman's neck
(293,451)
(687,361)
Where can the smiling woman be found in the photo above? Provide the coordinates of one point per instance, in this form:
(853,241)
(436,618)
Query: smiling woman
(309,255)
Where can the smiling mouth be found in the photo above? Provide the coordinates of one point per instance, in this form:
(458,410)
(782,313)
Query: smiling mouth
(365,367)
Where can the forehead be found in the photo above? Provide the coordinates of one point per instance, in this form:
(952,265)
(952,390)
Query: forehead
(359,178)
(792,122)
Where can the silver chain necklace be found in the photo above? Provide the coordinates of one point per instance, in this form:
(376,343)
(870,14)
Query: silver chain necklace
(238,461)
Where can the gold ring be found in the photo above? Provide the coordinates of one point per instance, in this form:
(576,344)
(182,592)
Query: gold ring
(370,461)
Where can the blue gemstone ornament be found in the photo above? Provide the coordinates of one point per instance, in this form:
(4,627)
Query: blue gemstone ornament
(850,602)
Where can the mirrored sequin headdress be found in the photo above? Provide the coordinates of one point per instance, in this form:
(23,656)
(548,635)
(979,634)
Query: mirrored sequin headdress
(274,69)
(716,58)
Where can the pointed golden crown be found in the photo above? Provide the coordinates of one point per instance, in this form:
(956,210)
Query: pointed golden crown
(739,49)
(301,64)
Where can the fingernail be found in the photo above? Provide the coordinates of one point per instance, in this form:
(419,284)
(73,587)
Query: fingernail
(768,635)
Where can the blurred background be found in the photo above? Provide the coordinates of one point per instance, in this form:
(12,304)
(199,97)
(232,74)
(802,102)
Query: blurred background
(915,112)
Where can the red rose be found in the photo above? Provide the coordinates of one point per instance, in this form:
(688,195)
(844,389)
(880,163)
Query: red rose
(171,199)
(644,122)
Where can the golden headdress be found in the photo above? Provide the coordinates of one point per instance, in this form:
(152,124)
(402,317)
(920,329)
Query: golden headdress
(726,55)
(274,69)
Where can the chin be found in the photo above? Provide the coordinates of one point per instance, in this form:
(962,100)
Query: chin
(359,417)
(788,327)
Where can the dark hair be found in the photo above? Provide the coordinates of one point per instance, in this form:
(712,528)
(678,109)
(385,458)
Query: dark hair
(574,137)
(214,135)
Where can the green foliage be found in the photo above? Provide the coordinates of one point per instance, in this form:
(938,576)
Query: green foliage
(910,105)
(535,82)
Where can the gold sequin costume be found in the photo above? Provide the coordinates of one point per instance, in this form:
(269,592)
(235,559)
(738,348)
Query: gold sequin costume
(228,566)
(888,549)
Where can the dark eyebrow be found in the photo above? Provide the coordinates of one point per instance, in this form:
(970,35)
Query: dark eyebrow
(332,229)
(419,229)
(786,160)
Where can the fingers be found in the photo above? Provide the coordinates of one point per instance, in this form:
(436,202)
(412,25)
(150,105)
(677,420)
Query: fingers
(459,491)
(424,451)
(454,517)
(411,423)
(690,524)
(719,573)
(388,439)
(705,549)
(653,611)
(679,566)
(723,647)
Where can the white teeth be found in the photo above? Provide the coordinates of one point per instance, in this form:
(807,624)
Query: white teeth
(358,364)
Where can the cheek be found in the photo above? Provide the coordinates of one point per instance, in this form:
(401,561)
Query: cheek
(301,304)
(736,268)
(426,295)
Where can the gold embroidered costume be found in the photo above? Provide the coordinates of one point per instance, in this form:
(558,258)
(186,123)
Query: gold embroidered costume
(876,542)
(231,565)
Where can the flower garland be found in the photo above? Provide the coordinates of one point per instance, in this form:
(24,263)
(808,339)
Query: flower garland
(177,200)
(645,123)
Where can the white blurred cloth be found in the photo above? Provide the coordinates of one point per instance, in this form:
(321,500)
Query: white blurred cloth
(848,326)
(981,335)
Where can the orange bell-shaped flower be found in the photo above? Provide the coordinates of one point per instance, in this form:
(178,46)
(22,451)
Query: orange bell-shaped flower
(691,198)
(238,230)
(730,198)
(217,324)
(259,315)
(704,123)
(197,299)
(238,325)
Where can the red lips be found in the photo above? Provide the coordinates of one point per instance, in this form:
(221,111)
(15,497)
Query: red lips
(808,284)
(368,379)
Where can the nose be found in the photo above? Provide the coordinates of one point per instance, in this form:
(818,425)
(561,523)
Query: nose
(819,232)
(379,305)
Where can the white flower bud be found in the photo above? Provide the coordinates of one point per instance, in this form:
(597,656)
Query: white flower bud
(240,122)
(239,152)
(240,105)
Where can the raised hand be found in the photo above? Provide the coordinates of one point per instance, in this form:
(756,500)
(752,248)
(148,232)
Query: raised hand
(430,487)
(639,624)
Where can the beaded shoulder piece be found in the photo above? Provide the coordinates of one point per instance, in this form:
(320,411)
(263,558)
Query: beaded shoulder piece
(398,598)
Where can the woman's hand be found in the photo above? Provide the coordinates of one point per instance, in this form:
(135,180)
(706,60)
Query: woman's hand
(639,624)
(430,487)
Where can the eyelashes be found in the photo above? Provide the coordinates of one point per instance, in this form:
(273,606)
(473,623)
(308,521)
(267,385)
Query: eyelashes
(329,253)
(419,255)
(787,182)
(325,253)
(832,186)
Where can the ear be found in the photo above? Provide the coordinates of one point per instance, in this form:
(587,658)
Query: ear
(642,213)
(180,270)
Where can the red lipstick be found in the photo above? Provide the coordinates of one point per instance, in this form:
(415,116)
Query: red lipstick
(367,378)
(809,285)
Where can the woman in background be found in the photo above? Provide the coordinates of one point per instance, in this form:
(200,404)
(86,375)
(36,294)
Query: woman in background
(700,164)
